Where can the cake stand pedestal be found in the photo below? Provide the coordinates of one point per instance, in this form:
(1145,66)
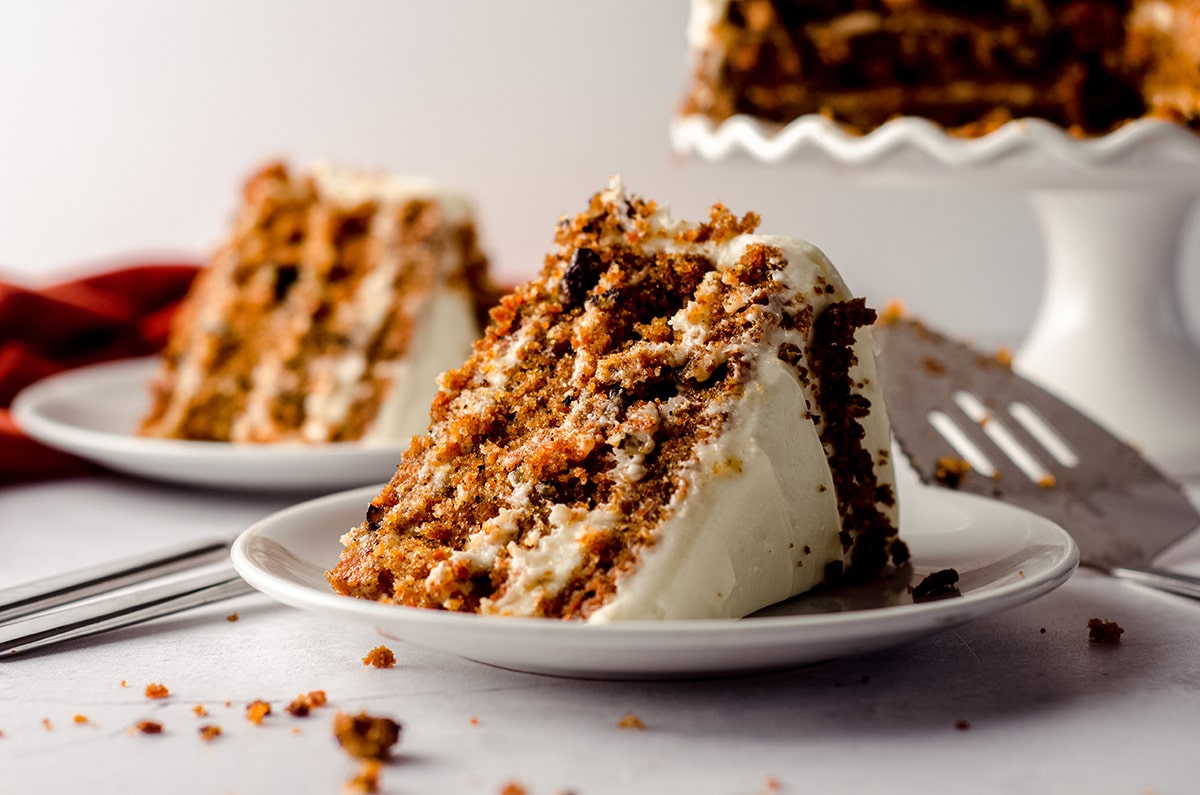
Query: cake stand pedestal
(1109,334)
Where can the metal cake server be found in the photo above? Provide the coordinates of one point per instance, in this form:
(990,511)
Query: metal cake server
(948,404)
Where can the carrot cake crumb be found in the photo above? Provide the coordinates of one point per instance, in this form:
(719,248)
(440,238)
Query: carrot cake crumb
(513,788)
(124,683)
(892,311)
(200,711)
(150,727)
(156,690)
(937,585)
(951,471)
(1105,633)
(366,736)
(380,657)
(1047,481)
(773,784)
(367,779)
(305,702)
(210,732)
(256,711)
(631,721)
(47,725)
(1004,355)
(473,721)
(232,617)
(80,719)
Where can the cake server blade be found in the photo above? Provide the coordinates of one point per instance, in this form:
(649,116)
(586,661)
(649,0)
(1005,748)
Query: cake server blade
(949,404)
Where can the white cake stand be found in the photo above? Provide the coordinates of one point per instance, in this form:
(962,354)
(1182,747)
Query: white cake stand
(1109,334)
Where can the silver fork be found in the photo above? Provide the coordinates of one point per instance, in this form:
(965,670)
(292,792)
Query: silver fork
(948,403)
(62,608)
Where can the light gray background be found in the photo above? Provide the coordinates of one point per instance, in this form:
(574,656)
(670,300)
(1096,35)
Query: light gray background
(126,129)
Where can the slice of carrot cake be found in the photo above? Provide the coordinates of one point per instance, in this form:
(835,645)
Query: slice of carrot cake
(327,316)
(673,421)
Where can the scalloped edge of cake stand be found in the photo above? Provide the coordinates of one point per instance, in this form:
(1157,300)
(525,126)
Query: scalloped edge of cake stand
(910,151)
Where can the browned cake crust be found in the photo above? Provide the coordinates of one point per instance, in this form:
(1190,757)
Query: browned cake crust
(281,291)
(576,371)
(970,65)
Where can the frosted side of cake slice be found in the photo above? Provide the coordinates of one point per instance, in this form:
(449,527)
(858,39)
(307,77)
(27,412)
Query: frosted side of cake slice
(674,421)
(327,316)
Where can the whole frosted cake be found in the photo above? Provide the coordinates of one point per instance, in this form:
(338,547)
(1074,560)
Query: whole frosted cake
(328,314)
(1088,65)
(674,420)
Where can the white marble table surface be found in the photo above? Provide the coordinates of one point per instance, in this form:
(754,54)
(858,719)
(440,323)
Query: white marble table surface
(1047,712)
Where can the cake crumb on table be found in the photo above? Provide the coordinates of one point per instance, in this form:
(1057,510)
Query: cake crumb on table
(380,657)
(150,727)
(1104,633)
(200,711)
(304,703)
(631,721)
(47,725)
(256,711)
(366,736)
(156,690)
(367,779)
(210,732)
(80,719)
(513,788)
(232,617)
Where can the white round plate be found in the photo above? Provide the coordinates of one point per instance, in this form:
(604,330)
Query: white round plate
(1004,556)
(92,412)
(911,151)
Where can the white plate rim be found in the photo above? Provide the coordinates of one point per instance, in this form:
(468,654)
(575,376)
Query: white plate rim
(398,621)
(291,466)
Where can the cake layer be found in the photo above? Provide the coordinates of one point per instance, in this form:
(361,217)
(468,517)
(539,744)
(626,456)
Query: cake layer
(673,421)
(327,316)
(1088,65)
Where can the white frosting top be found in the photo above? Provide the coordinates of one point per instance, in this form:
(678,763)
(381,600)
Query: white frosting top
(704,15)
(350,188)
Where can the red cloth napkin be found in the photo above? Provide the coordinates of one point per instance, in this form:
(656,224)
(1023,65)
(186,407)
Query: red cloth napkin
(111,315)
